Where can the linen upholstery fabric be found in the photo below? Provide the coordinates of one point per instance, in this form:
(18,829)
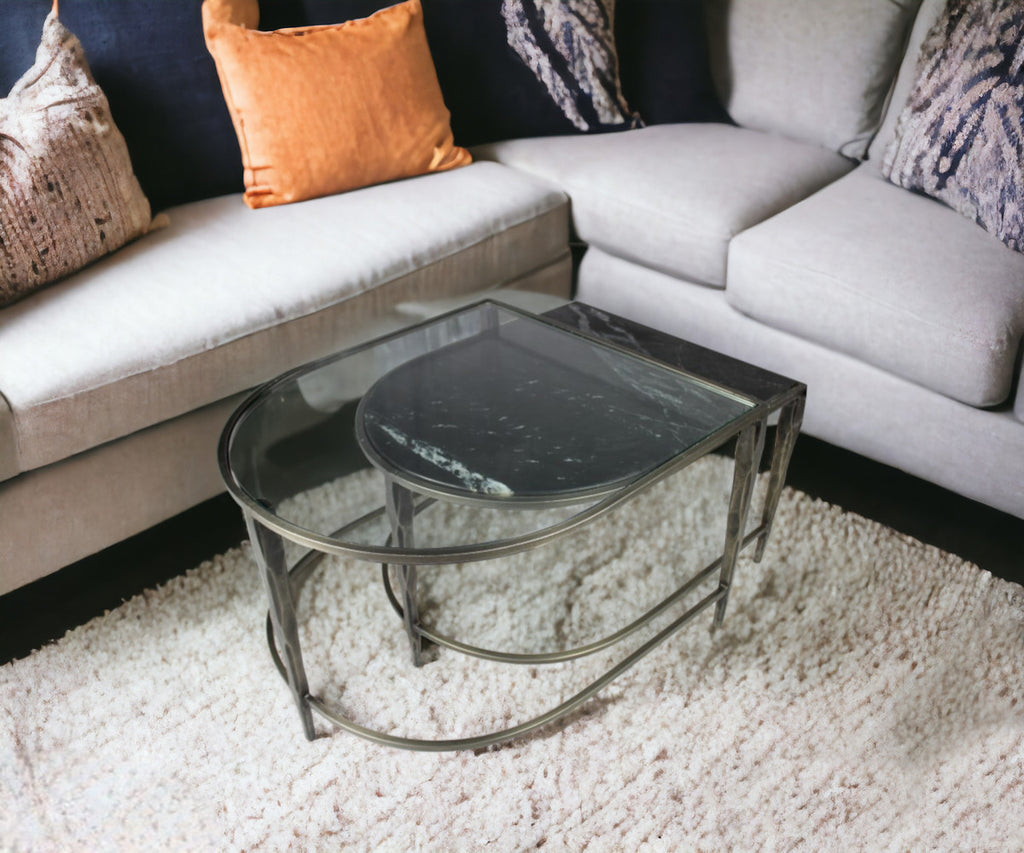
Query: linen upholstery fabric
(642,196)
(965,449)
(67,188)
(935,301)
(107,494)
(958,138)
(244,297)
(321,110)
(814,70)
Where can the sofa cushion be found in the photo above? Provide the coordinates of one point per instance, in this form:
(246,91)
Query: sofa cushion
(671,197)
(958,138)
(892,278)
(67,191)
(224,297)
(813,70)
(327,109)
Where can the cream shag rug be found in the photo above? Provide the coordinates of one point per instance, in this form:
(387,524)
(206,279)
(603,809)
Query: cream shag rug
(865,693)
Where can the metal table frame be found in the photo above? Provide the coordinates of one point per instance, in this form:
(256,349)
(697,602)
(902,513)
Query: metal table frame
(283,583)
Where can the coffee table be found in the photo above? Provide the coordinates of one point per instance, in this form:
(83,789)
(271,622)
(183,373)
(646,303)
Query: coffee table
(494,409)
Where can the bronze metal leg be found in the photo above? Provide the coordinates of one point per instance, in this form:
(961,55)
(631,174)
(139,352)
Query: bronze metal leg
(401,510)
(790,418)
(268,548)
(749,445)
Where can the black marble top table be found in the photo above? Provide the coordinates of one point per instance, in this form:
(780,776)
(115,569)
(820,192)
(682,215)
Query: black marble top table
(473,412)
(529,411)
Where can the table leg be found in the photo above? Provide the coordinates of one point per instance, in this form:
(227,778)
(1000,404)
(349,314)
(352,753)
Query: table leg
(790,418)
(401,510)
(268,548)
(749,445)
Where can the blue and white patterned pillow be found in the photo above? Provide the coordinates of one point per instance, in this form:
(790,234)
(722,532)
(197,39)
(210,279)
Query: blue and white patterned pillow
(569,45)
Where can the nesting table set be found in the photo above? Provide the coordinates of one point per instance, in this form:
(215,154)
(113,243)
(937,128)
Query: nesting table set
(495,408)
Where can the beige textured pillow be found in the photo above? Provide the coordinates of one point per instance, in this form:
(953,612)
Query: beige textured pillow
(68,194)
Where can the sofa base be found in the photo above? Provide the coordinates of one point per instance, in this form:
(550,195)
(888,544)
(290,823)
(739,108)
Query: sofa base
(849,403)
(53,516)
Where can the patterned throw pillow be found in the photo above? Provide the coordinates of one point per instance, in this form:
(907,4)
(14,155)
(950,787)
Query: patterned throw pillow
(569,46)
(67,191)
(959,137)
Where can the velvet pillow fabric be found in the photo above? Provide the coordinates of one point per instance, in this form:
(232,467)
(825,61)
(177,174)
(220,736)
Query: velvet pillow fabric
(959,137)
(326,109)
(68,194)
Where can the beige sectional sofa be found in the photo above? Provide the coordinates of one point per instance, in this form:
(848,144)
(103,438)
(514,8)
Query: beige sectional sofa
(774,239)
(903,317)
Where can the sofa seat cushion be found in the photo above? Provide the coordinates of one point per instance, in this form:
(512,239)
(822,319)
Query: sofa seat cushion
(671,197)
(895,279)
(226,297)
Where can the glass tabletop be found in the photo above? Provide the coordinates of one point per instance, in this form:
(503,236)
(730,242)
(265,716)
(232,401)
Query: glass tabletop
(481,411)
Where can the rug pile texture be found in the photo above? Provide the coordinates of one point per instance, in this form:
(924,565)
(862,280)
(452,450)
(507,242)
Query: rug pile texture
(866,692)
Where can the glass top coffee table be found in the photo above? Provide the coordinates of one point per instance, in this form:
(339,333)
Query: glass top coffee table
(495,410)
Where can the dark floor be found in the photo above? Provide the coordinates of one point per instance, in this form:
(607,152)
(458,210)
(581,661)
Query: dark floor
(43,611)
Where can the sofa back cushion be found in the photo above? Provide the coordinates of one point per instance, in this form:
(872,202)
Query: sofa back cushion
(817,71)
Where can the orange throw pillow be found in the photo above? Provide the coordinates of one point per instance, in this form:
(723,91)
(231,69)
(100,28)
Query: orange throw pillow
(323,110)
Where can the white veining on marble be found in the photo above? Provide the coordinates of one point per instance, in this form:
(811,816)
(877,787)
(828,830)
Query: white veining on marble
(435,456)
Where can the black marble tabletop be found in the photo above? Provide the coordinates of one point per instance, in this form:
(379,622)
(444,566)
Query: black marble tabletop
(530,411)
